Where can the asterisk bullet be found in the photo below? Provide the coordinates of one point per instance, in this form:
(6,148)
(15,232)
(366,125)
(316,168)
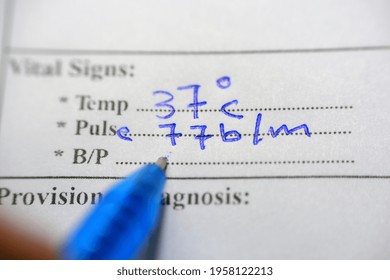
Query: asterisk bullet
(61,124)
(63,99)
(58,153)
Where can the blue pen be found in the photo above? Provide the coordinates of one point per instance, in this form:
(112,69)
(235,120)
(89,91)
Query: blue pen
(121,223)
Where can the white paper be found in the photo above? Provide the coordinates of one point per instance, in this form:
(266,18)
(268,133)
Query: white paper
(321,67)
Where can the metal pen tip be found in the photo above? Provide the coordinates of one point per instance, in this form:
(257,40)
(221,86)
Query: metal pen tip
(162,162)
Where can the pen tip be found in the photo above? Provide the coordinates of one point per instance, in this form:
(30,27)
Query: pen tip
(162,163)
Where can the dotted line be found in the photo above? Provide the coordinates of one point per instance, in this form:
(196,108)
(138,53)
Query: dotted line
(243,134)
(244,162)
(251,109)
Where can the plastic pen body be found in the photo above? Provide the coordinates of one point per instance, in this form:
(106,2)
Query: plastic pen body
(121,223)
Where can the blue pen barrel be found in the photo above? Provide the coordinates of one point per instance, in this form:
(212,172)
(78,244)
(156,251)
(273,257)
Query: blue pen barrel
(121,223)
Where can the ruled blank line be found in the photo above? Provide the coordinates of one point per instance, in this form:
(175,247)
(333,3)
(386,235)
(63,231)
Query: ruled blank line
(253,177)
(43,51)
(250,109)
(242,134)
(284,162)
